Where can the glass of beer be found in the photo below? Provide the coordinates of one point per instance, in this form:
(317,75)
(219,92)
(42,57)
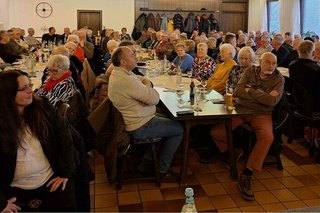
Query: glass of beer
(229,97)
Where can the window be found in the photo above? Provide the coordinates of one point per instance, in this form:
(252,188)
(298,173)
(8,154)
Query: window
(273,16)
(310,16)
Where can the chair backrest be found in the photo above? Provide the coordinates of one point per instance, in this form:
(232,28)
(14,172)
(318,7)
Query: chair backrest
(281,112)
(63,109)
(303,100)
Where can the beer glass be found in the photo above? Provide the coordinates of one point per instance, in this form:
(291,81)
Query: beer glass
(229,97)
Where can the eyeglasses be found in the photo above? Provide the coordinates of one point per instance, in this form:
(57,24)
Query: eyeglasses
(54,70)
(25,87)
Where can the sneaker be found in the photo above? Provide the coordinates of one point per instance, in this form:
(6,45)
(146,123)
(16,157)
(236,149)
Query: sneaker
(207,157)
(244,185)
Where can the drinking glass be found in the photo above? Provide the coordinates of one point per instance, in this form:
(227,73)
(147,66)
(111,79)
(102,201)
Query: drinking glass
(204,84)
(197,98)
(229,97)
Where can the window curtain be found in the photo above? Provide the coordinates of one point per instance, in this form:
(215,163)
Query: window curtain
(289,16)
(258,17)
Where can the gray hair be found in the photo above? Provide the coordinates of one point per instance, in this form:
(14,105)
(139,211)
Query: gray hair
(249,51)
(229,48)
(74,38)
(202,44)
(71,45)
(59,61)
(61,50)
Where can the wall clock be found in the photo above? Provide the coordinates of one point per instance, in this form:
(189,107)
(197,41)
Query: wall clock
(44,9)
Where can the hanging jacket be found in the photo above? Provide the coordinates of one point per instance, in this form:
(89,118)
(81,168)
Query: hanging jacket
(164,23)
(178,22)
(213,22)
(151,21)
(204,24)
(190,23)
(170,26)
(157,22)
(140,23)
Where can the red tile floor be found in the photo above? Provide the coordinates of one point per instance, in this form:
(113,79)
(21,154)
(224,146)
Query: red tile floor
(297,186)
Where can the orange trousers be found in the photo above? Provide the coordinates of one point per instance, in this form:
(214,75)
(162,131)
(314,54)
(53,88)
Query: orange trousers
(261,125)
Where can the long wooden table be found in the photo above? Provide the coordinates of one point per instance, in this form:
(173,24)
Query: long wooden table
(211,114)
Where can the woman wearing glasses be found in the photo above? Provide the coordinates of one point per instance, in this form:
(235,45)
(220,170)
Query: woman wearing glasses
(36,157)
(59,87)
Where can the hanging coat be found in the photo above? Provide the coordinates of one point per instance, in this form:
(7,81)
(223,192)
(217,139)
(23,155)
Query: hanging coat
(170,26)
(190,23)
(178,22)
(164,23)
(214,23)
(150,21)
(157,23)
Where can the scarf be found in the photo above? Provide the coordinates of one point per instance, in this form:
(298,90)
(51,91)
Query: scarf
(50,84)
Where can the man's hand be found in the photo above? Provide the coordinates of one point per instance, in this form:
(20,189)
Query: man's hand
(56,182)
(147,82)
(11,207)
(274,93)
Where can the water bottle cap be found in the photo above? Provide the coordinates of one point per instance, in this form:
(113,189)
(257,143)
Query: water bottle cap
(189,192)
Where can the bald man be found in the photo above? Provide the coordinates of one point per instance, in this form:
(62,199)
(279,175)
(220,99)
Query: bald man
(136,100)
(258,91)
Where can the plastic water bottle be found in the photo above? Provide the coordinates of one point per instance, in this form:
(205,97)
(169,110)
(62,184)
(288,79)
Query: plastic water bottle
(189,206)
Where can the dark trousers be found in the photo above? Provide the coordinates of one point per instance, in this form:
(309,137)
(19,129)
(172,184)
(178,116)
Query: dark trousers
(42,200)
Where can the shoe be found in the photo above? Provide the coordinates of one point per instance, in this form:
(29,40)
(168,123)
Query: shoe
(169,177)
(244,185)
(207,157)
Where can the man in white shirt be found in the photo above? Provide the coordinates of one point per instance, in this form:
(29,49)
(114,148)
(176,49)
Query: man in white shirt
(135,98)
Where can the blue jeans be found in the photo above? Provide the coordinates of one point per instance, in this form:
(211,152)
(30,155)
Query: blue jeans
(172,133)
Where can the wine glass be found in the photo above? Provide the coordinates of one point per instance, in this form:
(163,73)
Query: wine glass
(204,84)
(197,95)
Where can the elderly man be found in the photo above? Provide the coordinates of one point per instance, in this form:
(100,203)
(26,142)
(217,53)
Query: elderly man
(13,43)
(280,51)
(258,91)
(31,40)
(64,36)
(134,97)
(5,52)
(265,47)
(307,72)
(88,47)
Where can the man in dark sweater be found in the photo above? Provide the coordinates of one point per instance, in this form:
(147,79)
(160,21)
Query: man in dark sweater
(280,51)
(307,72)
(5,53)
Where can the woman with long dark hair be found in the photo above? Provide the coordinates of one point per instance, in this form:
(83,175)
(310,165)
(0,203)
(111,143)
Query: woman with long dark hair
(36,152)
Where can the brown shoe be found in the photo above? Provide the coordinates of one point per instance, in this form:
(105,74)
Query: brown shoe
(169,177)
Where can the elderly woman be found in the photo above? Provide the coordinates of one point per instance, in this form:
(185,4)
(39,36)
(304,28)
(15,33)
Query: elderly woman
(183,59)
(246,58)
(36,155)
(79,51)
(71,46)
(190,47)
(203,65)
(220,75)
(59,87)
(111,46)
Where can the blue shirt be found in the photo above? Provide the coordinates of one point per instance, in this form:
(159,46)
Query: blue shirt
(185,63)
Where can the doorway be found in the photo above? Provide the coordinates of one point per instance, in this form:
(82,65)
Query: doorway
(91,19)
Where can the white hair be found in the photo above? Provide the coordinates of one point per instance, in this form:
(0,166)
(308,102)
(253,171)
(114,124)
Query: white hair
(60,61)
(74,38)
(229,48)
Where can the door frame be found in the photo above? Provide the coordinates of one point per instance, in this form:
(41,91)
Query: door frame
(88,11)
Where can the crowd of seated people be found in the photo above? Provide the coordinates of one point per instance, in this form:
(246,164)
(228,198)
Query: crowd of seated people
(221,58)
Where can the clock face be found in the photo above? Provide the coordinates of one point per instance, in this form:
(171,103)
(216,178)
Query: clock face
(44,9)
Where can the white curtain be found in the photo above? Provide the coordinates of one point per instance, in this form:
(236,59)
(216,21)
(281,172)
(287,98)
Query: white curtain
(257,17)
(289,16)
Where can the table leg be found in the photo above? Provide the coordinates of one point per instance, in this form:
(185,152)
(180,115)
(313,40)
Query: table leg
(233,163)
(185,150)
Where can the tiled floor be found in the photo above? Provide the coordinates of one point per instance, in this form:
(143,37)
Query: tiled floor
(297,186)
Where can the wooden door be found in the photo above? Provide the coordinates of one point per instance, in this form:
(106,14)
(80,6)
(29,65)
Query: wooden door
(232,22)
(91,19)
(234,16)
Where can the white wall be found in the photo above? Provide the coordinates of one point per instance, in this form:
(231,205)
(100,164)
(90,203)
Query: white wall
(115,14)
